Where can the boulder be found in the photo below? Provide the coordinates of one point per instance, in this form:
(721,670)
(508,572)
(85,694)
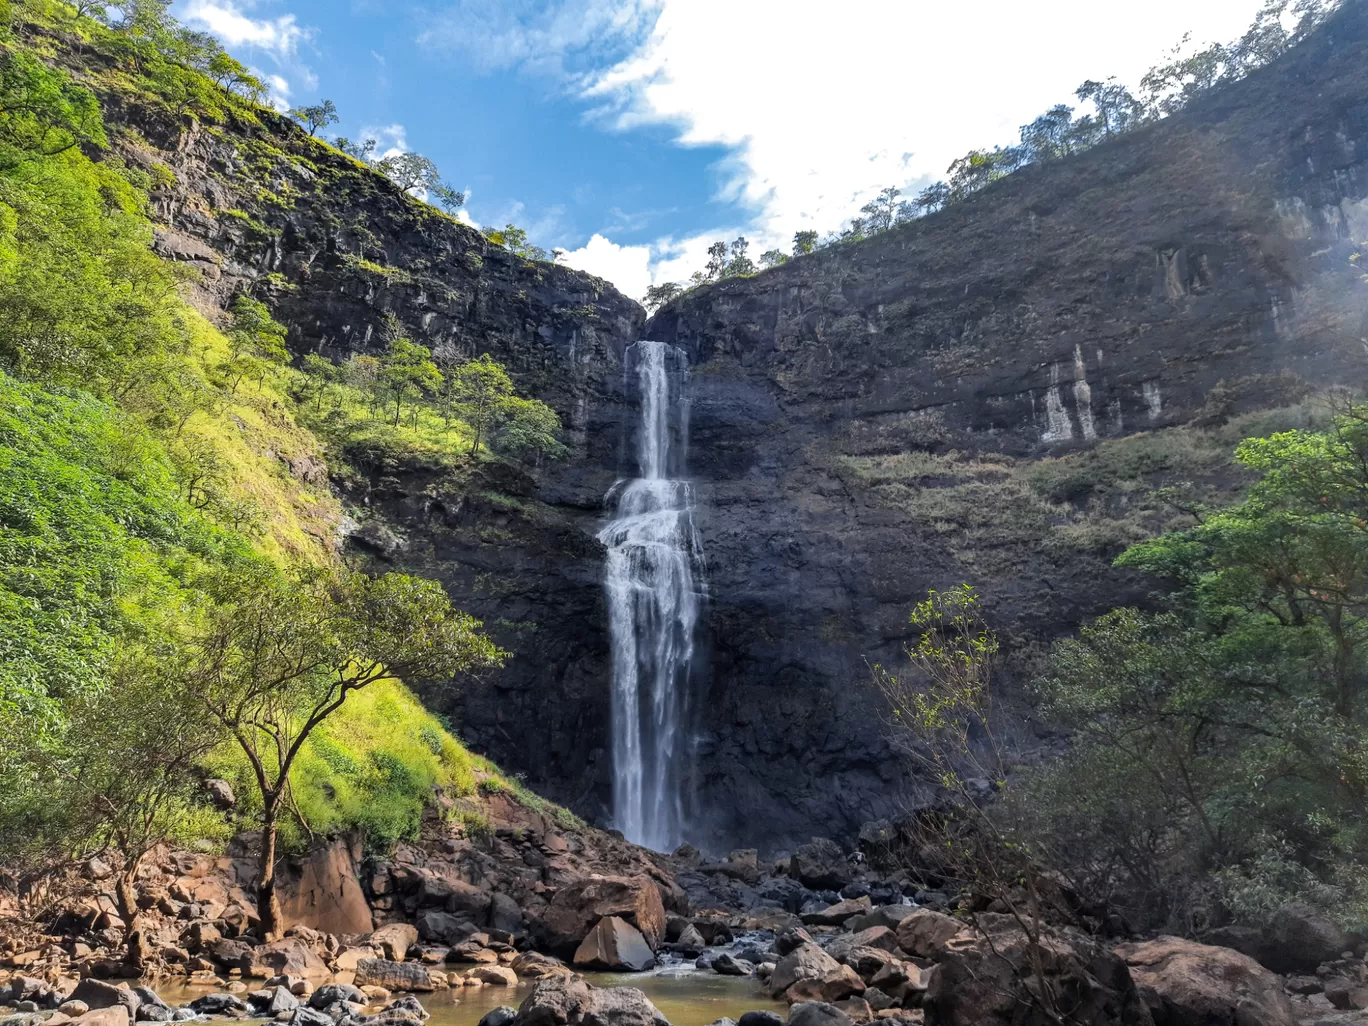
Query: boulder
(856,1008)
(790,939)
(115,1016)
(331,993)
(837,914)
(620,1006)
(381,972)
(875,937)
(765,1018)
(532,965)
(323,892)
(495,975)
(904,982)
(867,961)
(726,964)
(74,1009)
(807,973)
(309,1017)
(217,1004)
(288,957)
(690,942)
(232,954)
(395,939)
(885,915)
(579,905)
(988,978)
(97,994)
(925,933)
(501,1016)
(438,890)
(1191,984)
(555,1001)
(614,945)
(505,914)
(1300,937)
(821,865)
(1346,995)
(347,958)
(817,1013)
(443,927)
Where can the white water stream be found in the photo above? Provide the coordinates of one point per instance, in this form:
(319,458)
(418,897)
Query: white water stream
(655,585)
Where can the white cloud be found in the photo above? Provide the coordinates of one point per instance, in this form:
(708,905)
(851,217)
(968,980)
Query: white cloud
(391,140)
(822,107)
(280,37)
(529,34)
(627,267)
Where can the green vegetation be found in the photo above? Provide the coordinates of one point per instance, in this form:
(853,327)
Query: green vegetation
(164,514)
(1217,767)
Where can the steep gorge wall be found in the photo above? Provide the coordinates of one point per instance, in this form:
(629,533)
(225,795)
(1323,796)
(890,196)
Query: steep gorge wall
(910,412)
(887,417)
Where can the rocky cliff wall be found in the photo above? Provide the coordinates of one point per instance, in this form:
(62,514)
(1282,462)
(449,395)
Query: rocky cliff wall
(988,395)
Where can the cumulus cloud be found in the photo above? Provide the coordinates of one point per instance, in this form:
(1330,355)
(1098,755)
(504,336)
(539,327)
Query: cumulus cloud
(533,35)
(627,267)
(280,37)
(821,109)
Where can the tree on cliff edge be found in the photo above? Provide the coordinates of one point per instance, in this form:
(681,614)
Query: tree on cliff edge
(282,653)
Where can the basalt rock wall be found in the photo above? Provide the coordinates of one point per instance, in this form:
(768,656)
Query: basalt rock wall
(895,415)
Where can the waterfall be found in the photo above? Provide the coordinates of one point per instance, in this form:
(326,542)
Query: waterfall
(655,585)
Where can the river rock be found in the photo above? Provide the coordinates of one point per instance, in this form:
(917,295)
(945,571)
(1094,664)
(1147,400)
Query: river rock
(439,890)
(1191,984)
(1300,937)
(837,914)
(288,957)
(821,865)
(217,1004)
(726,964)
(381,972)
(309,1017)
(97,994)
(764,1018)
(533,965)
(925,933)
(790,939)
(495,975)
(394,940)
(614,945)
(817,1013)
(579,905)
(809,974)
(504,1015)
(885,915)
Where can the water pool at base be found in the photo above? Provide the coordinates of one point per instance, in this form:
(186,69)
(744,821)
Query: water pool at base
(693,999)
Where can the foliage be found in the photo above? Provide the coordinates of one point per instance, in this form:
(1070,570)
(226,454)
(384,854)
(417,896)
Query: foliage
(317,116)
(659,295)
(513,238)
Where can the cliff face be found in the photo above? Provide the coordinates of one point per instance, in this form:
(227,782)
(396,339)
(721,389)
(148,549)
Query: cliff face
(988,395)
(956,400)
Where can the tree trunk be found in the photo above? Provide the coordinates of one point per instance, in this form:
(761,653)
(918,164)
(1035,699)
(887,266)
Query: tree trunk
(127,894)
(268,902)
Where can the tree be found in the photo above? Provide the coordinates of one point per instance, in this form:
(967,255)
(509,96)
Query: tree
(480,392)
(317,116)
(233,76)
(256,342)
(659,295)
(717,261)
(320,375)
(411,172)
(933,198)
(978,169)
(1048,137)
(881,213)
(804,243)
(42,112)
(406,370)
(280,654)
(448,197)
(529,431)
(740,263)
(773,258)
(1117,110)
(514,239)
(362,151)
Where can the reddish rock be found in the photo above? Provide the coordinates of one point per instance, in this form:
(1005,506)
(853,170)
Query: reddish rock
(380,972)
(926,933)
(1191,984)
(326,894)
(614,945)
(395,939)
(579,905)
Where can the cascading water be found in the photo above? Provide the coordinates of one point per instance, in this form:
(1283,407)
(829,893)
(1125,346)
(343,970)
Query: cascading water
(655,585)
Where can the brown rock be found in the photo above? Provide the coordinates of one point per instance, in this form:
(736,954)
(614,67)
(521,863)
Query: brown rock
(98,995)
(288,957)
(807,973)
(531,965)
(856,1008)
(614,945)
(326,895)
(394,940)
(925,933)
(495,975)
(579,905)
(1197,984)
(116,1016)
(553,1002)
(837,914)
(347,958)
(380,972)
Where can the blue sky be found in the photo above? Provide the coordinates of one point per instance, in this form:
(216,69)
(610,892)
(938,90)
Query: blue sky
(631,133)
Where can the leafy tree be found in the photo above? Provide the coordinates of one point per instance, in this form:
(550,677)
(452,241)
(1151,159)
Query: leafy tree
(529,431)
(320,376)
(280,654)
(513,238)
(1117,110)
(933,198)
(881,213)
(411,172)
(717,261)
(978,169)
(480,392)
(1049,136)
(804,242)
(406,370)
(773,258)
(233,76)
(317,116)
(740,263)
(450,199)
(658,295)
(362,151)
(256,342)
(42,112)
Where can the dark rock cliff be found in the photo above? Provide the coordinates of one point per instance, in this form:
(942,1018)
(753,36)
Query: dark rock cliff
(989,395)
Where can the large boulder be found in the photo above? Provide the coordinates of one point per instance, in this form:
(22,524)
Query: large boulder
(1300,937)
(837,914)
(807,973)
(324,893)
(395,939)
(97,994)
(614,945)
(533,965)
(444,927)
(994,978)
(817,1013)
(288,957)
(1190,984)
(439,890)
(578,906)
(569,1001)
(821,865)
(925,933)
(381,972)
